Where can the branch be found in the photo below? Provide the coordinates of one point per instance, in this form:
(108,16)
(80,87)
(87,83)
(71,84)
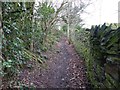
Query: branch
(18,11)
(57,12)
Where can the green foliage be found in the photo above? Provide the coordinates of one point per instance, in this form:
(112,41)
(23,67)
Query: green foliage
(78,27)
(46,11)
(104,48)
(43,23)
(104,42)
(17,31)
(96,46)
(43,34)
(23,29)
(64,28)
(20,30)
(82,46)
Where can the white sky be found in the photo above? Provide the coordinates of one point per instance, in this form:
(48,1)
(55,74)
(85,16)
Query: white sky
(101,11)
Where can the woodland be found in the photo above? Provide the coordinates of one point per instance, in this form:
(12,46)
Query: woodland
(44,45)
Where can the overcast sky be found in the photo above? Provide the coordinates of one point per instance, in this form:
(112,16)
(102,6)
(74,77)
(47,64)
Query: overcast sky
(101,11)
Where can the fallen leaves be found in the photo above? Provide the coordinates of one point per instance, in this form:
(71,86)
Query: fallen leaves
(65,69)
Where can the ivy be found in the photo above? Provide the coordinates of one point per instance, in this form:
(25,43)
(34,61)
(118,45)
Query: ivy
(15,19)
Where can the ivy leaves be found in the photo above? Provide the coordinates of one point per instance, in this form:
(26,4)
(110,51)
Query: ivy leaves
(15,20)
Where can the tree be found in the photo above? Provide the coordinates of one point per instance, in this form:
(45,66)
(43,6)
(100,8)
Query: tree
(71,14)
(1,31)
(16,25)
(46,16)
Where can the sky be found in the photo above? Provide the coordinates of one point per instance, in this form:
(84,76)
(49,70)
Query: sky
(101,11)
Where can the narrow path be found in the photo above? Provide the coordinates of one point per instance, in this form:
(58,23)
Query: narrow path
(65,69)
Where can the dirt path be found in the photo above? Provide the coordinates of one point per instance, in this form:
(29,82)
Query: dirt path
(65,69)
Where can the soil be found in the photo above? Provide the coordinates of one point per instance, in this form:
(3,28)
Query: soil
(64,69)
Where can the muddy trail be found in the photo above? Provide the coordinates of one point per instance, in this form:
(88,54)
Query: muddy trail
(65,69)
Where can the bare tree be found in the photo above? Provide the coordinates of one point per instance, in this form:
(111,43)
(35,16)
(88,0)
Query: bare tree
(71,14)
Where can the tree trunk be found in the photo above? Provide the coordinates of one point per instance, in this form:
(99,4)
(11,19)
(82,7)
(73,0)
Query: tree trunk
(1,34)
(68,29)
(32,41)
